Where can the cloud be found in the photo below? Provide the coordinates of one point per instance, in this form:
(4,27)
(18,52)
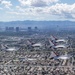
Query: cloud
(7,4)
(1,8)
(61,10)
(37,3)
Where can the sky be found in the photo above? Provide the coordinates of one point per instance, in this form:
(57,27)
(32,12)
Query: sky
(40,10)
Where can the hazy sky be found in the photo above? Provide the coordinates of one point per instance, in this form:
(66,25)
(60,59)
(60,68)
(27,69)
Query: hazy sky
(12,10)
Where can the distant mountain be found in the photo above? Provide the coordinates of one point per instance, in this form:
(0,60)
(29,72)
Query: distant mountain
(40,24)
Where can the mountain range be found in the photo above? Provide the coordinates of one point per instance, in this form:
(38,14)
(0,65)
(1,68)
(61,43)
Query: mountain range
(40,24)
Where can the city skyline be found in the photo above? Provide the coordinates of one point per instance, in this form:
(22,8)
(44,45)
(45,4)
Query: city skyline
(13,10)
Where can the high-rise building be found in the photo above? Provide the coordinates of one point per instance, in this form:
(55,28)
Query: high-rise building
(29,29)
(17,29)
(36,29)
(9,29)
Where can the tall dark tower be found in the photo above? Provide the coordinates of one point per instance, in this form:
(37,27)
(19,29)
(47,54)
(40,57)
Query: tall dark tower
(7,28)
(36,28)
(17,29)
(29,29)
